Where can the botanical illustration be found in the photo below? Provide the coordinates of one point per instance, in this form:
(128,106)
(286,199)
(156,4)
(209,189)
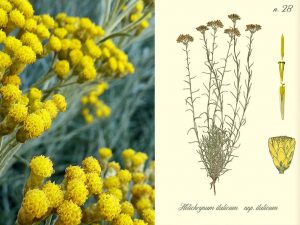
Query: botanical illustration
(225,91)
(281,64)
(76,76)
(282,151)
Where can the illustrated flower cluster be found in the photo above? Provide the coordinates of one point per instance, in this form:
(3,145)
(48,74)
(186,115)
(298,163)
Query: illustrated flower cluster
(282,151)
(93,105)
(98,190)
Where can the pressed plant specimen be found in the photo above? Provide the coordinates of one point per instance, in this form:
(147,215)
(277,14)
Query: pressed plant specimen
(282,151)
(217,127)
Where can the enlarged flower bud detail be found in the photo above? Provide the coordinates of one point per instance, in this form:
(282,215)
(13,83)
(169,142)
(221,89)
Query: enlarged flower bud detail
(282,151)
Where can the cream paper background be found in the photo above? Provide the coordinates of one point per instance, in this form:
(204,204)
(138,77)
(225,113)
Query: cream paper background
(254,179)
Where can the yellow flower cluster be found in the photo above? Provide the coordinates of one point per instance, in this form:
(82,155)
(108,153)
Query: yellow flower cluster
(107,187)
(77,44)
(93,105)
(27,113)
(138,15)
(24,112)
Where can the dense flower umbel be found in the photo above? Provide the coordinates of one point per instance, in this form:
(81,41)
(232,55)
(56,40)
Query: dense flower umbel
(89,194)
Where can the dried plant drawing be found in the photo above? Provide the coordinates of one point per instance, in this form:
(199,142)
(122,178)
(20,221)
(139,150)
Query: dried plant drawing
(282,151)
(226,91)
(281,64)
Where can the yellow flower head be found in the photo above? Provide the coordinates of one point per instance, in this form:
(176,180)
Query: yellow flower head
(116,192)
(17,18)
(88,73)
(88,118)
(18,112)
(75,172)
(62,68)
(76,56)
(42,31)
(113,64)
(114,166)
(12,44)
(109,44)
(112,182)
(86,23)
(46,117)
(26,8)
(30,25)
(69,213)
(143,203)
(50,106)
(60,32)
(65,44)
(76,192)
(3,18)
(75,44)
(144,24)
(33,126)
(35,203)
(108,206)
(60,102)
(139,159)
(106,52)
(87,61)
(138,177)
(122,219)
(127,208)
(105,153)
(94,183)
(54,194)
(91,165)
(93,49)
(124,176)
(61,16)
(31,40)
(10,93)
(5,61)
(130,68)
(55,43)
(12,79)
(24,100)
(141,190)
(2,36)
(6,5)
(25,55)
(128,153)
(48,21)
(34,94)
(282,151)
(148,216)
(41,166)
(35,105)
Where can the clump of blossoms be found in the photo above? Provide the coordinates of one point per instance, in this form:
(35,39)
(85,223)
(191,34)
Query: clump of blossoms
(27,114)
(92,105)
(98,190)
(139,16)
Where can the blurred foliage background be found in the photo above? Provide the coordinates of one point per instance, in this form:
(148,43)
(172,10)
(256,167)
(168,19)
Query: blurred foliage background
(131,123)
